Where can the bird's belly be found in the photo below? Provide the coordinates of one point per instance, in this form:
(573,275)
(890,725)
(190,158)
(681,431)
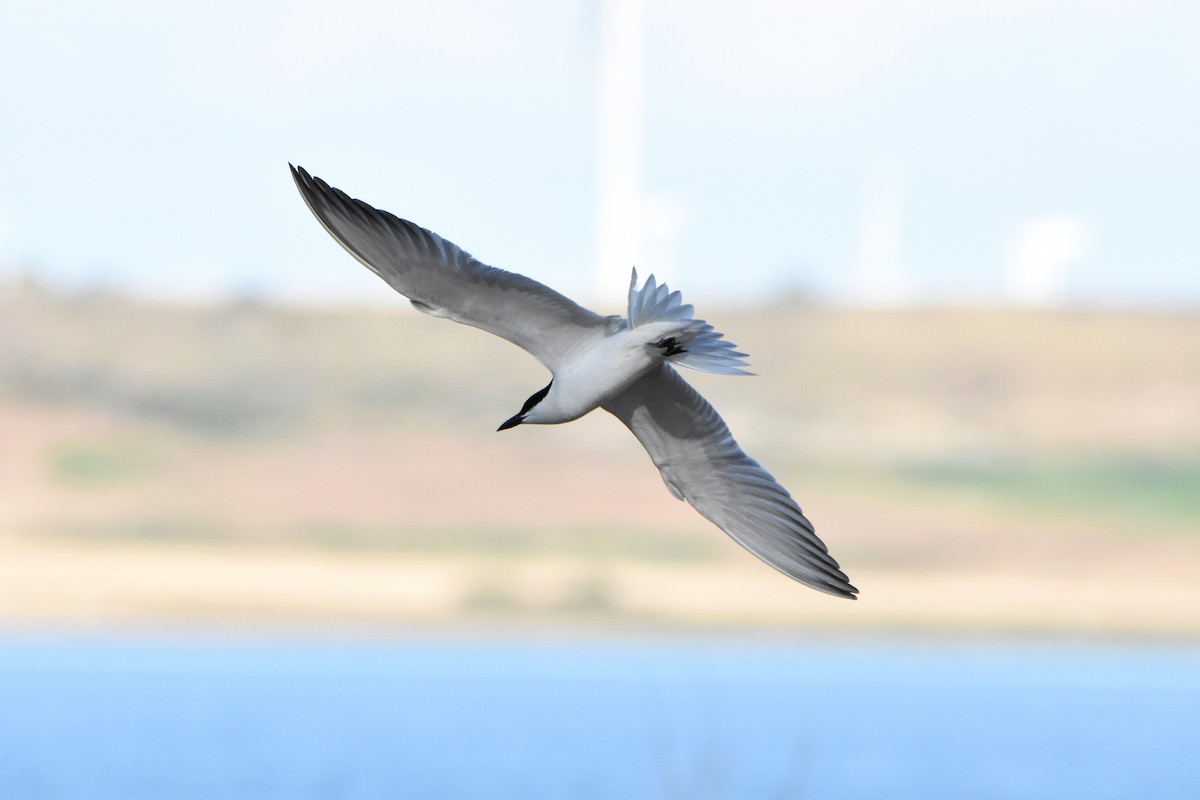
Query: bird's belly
(593,381)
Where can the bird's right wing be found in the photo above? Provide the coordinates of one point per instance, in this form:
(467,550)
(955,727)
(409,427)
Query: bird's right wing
(442,279)
(701,463)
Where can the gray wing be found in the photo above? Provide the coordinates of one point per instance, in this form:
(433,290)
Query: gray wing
(442,279)
(701,463)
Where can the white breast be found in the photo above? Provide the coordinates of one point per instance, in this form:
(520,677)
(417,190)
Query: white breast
(600,372)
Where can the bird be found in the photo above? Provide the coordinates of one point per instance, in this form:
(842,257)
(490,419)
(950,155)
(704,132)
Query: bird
(624,365)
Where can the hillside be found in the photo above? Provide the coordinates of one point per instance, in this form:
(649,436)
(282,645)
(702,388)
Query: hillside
(971,468)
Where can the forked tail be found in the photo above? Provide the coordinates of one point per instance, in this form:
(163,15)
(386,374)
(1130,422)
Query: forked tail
(699,347)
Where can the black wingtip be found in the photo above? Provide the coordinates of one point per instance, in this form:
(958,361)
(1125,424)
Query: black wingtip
(299,175)
(839,589)
(847,590)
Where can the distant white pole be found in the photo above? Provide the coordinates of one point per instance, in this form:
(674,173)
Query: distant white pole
(620,208)
(879,274)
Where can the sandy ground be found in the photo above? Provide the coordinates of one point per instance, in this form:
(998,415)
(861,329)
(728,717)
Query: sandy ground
(46,583)
(166,465)
(918,567)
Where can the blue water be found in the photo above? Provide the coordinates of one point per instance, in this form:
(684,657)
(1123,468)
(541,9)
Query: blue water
(335,717)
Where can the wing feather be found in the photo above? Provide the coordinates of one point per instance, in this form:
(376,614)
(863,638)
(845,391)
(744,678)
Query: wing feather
(441,278)
(701,463)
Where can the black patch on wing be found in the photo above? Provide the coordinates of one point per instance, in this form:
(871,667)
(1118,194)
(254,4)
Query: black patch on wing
(670,346)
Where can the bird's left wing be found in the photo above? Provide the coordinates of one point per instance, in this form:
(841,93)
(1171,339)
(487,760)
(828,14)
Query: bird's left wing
(442,279)
(701,463)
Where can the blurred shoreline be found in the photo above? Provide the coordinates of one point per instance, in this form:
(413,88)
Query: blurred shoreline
(584,633)
(1004,472)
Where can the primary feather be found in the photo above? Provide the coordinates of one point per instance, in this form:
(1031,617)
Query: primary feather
(701,463)
(442,279)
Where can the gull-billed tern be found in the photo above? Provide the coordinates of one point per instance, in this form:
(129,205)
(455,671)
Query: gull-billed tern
(624,365)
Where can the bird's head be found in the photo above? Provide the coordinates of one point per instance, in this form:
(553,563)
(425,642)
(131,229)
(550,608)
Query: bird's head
(528,412)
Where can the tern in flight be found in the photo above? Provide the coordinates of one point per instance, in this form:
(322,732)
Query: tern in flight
(624,365)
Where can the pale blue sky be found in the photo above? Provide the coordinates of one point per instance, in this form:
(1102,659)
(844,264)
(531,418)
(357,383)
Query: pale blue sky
(893,151)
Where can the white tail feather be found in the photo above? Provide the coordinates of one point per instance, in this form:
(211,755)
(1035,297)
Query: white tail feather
(703,348)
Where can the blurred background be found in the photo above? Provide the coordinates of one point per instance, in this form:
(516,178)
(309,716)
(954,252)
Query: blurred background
(258,537)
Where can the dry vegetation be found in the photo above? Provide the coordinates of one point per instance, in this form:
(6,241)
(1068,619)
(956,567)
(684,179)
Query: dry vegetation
(972,469)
